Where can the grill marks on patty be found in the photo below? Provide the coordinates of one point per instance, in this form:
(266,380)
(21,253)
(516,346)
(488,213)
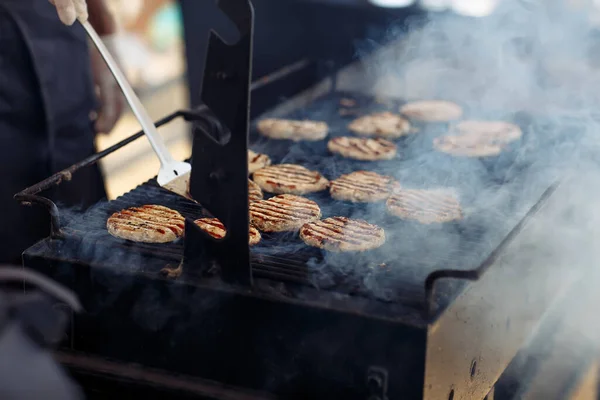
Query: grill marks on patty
(290,179)
(365,149)
(254,192)
(216,229)
(283,213)
(148,224)
(257,161)
(363,187)
(341,234)
(425,206)
(384,124)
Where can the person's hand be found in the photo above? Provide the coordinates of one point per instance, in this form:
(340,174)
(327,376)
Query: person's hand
(71,10)
(112,102)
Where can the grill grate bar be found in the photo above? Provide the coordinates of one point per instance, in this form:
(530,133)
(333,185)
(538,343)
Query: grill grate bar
(281,269)
(277,275)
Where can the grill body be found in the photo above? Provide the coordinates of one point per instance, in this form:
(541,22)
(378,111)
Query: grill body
(254,340)
(286,338)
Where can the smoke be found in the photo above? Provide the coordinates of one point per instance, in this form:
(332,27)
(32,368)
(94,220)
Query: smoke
(534,63)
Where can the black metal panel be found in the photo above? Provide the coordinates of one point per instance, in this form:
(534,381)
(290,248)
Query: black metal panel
(219,179)
(239,338)
(327,34)
(103,379)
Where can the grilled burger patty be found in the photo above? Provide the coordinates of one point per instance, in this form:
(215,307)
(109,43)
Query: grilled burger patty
(295,130)
(342,234)
(364,149)
(491,131)
(425,206)
(478,138)
(282,213)
(466,146)
(432,111)
(147,224)
(290,178)
(254,192)
(383,124)
(257,161)
(362,187)
(216,229)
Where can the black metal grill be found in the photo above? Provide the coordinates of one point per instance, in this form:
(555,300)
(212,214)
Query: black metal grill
(395,273)
(306,324)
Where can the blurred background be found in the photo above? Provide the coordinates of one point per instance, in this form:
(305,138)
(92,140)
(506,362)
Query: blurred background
(154,35)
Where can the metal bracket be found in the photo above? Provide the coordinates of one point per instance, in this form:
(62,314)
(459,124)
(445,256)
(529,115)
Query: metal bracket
(219,179)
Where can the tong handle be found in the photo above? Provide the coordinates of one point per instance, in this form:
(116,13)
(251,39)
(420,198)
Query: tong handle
(134,102)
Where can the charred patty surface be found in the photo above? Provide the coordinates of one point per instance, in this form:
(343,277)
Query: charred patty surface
(147,224)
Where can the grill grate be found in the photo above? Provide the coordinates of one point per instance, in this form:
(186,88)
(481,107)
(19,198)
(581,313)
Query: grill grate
(394,273)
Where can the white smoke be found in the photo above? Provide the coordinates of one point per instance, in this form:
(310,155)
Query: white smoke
(537,59)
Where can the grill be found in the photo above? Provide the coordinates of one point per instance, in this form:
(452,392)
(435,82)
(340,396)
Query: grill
(297,322)
(396,272)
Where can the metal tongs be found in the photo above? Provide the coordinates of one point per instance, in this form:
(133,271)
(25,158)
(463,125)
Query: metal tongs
(173,175)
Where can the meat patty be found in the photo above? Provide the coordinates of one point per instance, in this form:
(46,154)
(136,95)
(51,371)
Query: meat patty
(364,149)
(466,146)
(216,229)
(147,224)
(257,161)
(383,124)
(289,178)
(341,234)
(362,187)
(295,130)
(425,206)
(492,131)
(432,111)
(254,192)
(478,138)
(286,212)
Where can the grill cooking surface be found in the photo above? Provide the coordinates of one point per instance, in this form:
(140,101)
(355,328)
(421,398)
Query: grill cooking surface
(492,196)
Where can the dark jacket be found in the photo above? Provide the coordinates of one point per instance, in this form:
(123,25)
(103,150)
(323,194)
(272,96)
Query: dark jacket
(46,98)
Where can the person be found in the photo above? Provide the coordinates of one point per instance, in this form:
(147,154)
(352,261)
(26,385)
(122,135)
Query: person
(55,95)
